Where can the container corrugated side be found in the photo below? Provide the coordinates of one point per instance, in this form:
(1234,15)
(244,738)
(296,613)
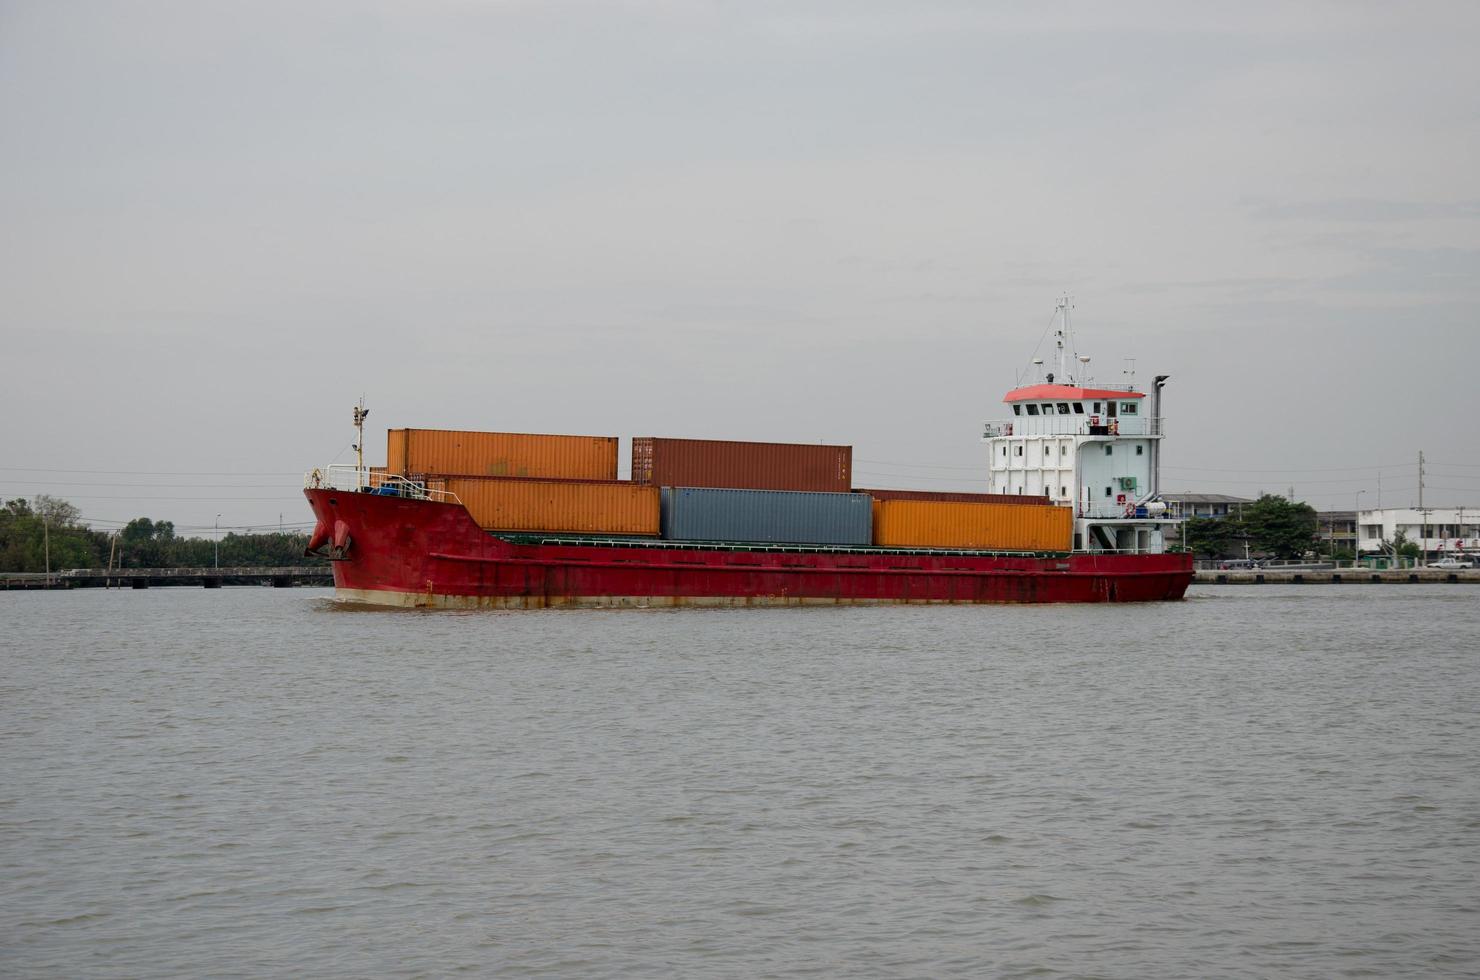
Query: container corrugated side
(395,450)
(556,506)
(972,526)
(460,453)
(959,498)
(766,516)
(742,465)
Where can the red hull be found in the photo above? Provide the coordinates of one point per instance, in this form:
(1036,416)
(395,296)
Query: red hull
(420,553)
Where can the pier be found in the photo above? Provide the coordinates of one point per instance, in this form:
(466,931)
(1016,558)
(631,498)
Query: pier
(145,578)
(1338,576)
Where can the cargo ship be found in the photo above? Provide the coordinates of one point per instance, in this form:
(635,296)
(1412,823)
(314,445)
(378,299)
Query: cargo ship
(1069,513)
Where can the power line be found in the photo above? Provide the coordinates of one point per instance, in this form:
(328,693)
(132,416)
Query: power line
(1328,469)
(1272,480)
(178,486)
(44,469)
(910,476)
(928,466)
(104,496)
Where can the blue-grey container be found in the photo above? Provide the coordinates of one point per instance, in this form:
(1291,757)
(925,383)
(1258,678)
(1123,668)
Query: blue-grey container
(766,516)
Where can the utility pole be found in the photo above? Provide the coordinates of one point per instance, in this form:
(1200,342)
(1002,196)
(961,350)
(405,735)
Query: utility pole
(46,544)
(1423,516)
(218,540)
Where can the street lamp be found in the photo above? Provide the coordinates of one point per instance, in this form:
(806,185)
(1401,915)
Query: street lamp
(218,540)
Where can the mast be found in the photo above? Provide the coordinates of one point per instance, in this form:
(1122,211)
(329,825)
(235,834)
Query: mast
(1059,339)
(360,412)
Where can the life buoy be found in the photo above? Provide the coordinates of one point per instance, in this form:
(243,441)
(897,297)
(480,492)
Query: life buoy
(1115,427)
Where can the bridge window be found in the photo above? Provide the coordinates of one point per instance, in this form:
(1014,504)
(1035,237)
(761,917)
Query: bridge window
(1063,408)
(1019,449)
(1032,409)
(1017,409)
(1127,408)
(1108,492)
(1079,408)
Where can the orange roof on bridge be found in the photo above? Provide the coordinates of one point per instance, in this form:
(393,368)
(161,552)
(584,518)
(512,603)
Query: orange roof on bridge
(1048,393)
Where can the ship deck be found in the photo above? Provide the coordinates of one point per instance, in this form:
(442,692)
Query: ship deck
(758,546)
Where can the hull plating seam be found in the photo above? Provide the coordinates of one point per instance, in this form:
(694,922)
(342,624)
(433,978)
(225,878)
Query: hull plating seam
(425,600)
(789,569)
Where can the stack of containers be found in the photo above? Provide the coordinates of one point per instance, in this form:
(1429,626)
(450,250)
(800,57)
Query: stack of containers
(514,481)
(755,492)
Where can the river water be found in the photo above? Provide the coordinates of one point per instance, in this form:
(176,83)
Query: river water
(1261,781)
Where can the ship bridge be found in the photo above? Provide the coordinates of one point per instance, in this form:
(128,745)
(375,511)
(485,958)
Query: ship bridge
(1093,447)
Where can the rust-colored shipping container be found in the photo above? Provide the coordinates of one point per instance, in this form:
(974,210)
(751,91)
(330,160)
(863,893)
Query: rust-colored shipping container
(972,526)
(959,498)
(377,475)
(741,465)
(451,452)
(557,506)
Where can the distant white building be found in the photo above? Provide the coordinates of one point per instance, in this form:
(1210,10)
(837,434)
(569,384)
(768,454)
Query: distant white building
(1184,505)
(1435,529)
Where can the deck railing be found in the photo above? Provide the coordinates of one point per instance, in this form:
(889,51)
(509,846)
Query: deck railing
(1077,426)
(347,477)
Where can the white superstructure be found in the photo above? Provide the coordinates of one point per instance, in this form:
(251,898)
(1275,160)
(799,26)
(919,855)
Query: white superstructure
(1091,447)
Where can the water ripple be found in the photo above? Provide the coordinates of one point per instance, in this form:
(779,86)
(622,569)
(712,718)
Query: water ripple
(1261,781)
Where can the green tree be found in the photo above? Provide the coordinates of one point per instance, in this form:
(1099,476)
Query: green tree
(1210,537)
(41,533)
(29,529)
(1280,527)
(1402,547)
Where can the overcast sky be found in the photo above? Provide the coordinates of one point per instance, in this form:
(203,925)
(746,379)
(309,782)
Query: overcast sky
(221,223)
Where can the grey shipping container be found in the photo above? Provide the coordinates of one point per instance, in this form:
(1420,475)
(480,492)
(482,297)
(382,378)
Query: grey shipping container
(769,516)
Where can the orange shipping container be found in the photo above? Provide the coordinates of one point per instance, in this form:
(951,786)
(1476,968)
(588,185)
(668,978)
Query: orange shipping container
(446,451)
(558,506)
(975,527)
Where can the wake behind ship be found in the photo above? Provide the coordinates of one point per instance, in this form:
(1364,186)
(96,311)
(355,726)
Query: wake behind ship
(1070,513)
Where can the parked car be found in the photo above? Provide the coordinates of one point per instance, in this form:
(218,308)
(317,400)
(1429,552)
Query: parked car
(1452,563)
